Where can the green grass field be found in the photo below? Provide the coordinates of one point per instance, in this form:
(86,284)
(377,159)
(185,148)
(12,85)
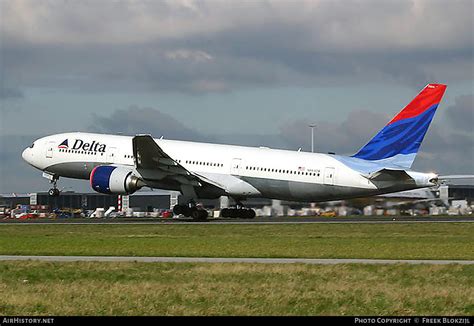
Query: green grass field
(384,241)
(85,288)
(104,288)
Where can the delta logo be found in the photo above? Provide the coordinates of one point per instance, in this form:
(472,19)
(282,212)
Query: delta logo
(79,144)
(64,145)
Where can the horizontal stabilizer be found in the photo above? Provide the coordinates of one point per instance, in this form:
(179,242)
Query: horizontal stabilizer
(389,175)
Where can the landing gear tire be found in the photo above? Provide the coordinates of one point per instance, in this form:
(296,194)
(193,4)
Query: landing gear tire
(182,210)
(246,213)
(178,209)
(250,213)
(194,212)
(199,214)
(53,192)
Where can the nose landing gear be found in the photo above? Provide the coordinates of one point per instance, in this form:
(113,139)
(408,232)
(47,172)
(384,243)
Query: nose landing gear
(53,192)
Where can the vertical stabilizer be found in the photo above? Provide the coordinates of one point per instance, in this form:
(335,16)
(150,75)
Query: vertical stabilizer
(399,141)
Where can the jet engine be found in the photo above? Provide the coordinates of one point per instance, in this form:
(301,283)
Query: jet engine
(114,180)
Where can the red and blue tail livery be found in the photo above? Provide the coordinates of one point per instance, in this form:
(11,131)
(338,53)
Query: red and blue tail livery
(399,141)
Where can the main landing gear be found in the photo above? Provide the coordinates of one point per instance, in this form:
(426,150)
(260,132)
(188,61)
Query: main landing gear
(239,211)
(191,210)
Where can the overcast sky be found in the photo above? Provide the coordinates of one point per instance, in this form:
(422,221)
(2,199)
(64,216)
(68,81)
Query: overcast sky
(241,72)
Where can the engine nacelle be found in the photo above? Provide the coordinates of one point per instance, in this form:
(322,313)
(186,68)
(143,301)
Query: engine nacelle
(108,179)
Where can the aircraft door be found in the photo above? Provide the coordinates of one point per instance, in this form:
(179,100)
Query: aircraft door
(329,175)
(49,149)
(235,166)
(111,154)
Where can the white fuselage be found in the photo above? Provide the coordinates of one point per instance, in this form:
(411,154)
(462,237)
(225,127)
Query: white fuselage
(241,171)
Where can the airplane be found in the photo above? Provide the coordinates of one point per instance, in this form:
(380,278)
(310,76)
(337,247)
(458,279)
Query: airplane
(118,164)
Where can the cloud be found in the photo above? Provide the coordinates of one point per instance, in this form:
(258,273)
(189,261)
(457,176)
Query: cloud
(186,55)
(7,93)
(461,114)
(449,145)
(446,149)
(211,46)
(345,137)
(446,152)
(336,25)
(16,174)
(136,120)
(200,47)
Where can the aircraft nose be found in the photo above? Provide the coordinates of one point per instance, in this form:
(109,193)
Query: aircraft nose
(26,155)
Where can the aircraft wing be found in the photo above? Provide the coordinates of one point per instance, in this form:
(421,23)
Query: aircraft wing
(154,164)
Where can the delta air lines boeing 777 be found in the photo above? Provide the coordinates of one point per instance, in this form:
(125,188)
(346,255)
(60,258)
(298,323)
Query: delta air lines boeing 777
(116,164)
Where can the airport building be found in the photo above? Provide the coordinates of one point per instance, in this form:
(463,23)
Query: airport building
(158,200)
(461,192)
(141,201)
(144,201)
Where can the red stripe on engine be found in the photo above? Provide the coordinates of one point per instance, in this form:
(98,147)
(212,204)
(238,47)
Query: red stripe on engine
(92,175)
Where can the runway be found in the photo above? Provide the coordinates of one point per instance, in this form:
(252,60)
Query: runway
(232,260)
(258,220)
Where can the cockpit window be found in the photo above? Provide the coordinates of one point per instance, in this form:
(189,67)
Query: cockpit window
(32,145)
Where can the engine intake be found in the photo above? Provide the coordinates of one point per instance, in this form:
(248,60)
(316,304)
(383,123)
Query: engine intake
(114,180)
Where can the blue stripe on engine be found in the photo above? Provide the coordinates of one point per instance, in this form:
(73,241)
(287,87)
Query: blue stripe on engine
(401,137)
(101,178)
